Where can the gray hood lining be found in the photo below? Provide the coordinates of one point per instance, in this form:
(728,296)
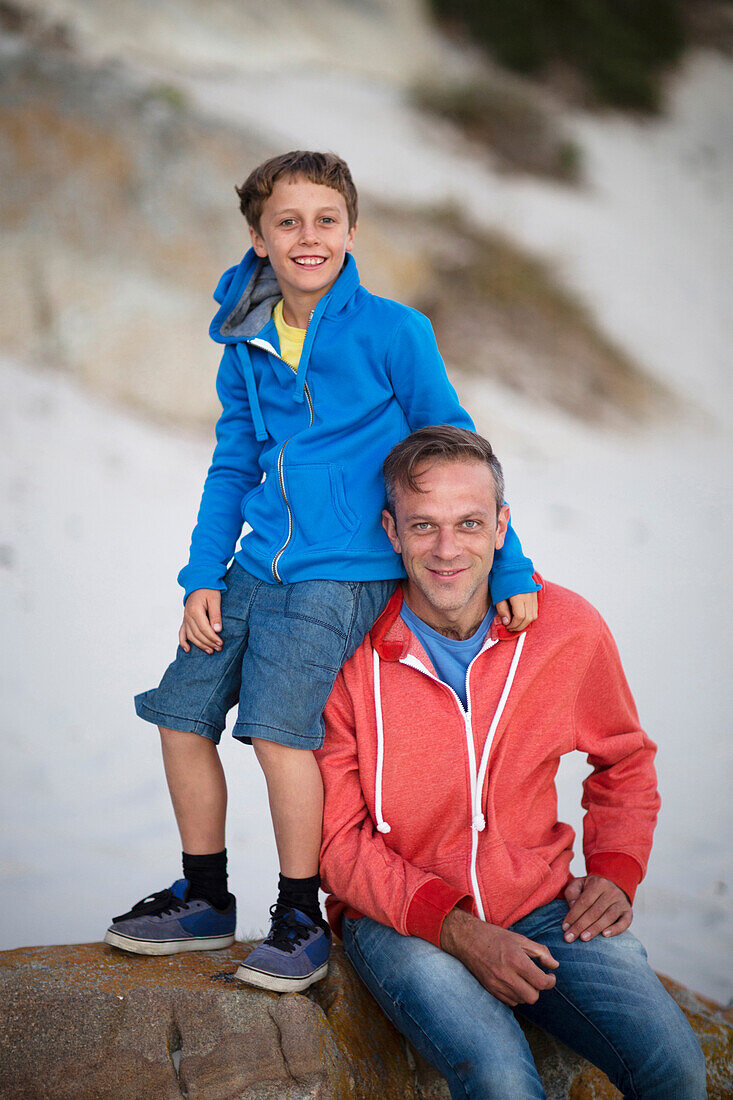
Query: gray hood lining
(256,303)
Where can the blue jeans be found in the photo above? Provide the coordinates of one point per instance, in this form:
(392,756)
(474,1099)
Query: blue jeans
(607,1004)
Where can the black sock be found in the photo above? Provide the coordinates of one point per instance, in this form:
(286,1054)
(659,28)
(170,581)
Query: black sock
(301,893)
(207,876)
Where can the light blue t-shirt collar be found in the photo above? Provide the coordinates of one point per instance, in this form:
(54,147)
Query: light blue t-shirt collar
(450,656)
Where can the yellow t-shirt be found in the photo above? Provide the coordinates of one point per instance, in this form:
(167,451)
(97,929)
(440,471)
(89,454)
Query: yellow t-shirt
(291,339)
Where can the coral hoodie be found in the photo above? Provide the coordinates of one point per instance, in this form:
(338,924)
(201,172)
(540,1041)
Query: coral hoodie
(428,806)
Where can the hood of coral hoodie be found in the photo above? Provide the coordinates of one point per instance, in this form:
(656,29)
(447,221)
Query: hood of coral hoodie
(428,806)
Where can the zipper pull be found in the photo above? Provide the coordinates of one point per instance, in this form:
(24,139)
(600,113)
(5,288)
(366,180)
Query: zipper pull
(478,823)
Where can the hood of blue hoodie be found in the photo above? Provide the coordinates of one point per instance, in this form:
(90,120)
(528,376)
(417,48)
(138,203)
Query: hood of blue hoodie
(248,292)
(247,295)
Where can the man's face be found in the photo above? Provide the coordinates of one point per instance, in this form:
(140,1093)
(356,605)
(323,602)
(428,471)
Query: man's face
(447,535)
(304,229)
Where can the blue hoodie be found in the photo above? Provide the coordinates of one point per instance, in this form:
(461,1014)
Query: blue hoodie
(299,454)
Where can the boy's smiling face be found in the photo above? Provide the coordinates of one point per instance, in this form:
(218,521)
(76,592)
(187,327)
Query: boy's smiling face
(304,230)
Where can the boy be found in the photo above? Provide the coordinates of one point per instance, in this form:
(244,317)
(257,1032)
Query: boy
(318,380)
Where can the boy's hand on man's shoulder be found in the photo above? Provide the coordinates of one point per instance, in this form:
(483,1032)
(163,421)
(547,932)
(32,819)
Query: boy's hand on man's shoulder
(519,611)
(202,621)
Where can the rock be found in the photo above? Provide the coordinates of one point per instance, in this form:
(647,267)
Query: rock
(87,1022)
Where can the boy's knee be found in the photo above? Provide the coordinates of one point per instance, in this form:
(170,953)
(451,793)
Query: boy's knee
(266,750)
(182,741)
(273,751)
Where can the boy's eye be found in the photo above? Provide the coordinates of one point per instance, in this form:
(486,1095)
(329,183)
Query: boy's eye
(288,221)
(328,219)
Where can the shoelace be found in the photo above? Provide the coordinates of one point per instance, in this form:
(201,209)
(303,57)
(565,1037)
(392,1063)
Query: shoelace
(152,905)
(286,931)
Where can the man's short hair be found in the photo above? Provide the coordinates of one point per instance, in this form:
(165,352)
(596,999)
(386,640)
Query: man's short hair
(324,168)
(441,443)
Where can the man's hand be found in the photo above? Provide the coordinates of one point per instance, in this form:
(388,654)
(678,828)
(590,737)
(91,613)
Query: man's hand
(596,905)
(202,621)
(499,959)
(519,611)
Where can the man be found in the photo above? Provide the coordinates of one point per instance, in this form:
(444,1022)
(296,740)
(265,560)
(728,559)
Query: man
(448,868)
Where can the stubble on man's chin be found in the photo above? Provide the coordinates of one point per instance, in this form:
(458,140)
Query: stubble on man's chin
(447,607)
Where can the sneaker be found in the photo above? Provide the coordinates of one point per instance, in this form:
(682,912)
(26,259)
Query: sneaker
(167,923)
(292,957)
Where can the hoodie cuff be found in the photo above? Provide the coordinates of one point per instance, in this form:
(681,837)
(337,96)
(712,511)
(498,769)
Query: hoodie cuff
(191,578)
(429,907)
(619,868)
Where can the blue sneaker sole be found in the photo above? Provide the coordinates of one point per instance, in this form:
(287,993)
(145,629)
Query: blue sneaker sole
(166,947)
(277,983)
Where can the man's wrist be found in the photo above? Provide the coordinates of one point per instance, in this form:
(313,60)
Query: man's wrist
(451,930)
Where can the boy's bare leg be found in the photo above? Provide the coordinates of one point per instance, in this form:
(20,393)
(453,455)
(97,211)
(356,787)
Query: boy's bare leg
(197,788)
(199,795)
(295,791)
(295,952)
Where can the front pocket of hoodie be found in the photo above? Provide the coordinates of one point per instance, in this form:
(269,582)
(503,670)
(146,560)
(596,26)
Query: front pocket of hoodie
(321,514)
(514,873)
(263,509)
(248,501)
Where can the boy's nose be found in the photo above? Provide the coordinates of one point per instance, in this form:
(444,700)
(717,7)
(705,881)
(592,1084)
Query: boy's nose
(309,234)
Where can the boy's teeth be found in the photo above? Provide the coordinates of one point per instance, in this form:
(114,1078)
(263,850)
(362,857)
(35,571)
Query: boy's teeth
(309,262)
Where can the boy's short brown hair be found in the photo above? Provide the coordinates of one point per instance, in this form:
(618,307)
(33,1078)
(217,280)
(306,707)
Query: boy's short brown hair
(323,168)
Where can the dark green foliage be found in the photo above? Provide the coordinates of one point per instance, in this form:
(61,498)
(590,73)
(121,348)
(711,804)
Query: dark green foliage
(618,46)
(513,124)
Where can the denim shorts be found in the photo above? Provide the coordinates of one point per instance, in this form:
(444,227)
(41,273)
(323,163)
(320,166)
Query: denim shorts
(283,646)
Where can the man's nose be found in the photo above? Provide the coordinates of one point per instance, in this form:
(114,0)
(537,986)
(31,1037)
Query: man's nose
(445,545)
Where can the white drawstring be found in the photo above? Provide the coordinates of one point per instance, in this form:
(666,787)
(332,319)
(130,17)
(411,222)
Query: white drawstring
(492,730)
(478,821)
(382,826)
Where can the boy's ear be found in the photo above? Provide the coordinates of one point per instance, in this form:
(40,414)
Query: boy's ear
(350,237)
(257,243)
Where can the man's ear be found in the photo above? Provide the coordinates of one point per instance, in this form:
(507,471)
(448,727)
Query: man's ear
(350,238)
(501,525)
(258,243)
(390,527)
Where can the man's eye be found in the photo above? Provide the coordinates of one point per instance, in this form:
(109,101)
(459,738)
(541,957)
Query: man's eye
(471,524)
(424,526)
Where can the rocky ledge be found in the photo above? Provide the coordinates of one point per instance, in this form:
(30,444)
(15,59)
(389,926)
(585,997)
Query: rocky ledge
(87,1022)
